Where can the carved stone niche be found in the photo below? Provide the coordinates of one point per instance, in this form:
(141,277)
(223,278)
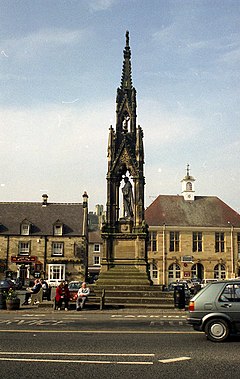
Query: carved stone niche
(125,225)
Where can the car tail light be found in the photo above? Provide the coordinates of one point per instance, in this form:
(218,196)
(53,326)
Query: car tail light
(191,306)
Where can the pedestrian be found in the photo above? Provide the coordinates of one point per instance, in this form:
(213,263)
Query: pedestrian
(35,289)
(82,296)
(46,289)
(66,295)
(59,297)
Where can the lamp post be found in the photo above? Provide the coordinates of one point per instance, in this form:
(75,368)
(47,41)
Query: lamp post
(232,251)
(164,255)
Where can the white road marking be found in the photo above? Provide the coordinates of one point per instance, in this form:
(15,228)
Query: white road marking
(78,354)
(146,316)
(171,360)
(73,361)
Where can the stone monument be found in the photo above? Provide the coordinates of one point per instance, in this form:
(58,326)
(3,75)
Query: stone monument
(125,233)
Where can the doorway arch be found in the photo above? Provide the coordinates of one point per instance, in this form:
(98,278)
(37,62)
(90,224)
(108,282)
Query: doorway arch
(197,271)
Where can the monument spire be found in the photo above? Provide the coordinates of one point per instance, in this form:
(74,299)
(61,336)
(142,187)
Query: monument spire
(126,81)
(125,233)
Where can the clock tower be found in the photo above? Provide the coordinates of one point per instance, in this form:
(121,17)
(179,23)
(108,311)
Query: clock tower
(188,191)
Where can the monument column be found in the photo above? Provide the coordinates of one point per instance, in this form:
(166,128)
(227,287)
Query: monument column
(125,233)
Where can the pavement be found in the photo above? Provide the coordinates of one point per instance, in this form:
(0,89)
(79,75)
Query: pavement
(46,307)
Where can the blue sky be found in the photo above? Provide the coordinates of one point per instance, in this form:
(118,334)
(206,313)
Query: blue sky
(60,66)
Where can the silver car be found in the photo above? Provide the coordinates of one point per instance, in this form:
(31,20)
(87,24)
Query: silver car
(215,310)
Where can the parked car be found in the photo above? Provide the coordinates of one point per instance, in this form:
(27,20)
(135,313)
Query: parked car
(73,289)
(207,281)
(215,310)
(6,284)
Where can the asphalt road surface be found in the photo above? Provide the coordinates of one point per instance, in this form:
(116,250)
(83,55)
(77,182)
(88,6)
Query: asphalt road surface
(129,345)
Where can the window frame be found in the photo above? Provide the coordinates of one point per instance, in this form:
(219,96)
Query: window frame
(94,260)
(25,229)
(58,229)
(174,241)
(54,269)
(174,271)
(54,249)
(197,242)
(219,242)
(96,250)
(24,251)
(219,271)
(152,241)
(238,245)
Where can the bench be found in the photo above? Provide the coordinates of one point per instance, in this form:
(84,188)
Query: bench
(36,297)
(92,300)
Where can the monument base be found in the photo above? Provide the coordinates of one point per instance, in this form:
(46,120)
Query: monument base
(124,256)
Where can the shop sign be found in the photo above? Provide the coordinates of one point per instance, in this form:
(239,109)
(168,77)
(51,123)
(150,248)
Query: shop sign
(187,274)
(23,259)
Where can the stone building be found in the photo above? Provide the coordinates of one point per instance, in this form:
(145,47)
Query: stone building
(43,239)
(95,253)
(192,237)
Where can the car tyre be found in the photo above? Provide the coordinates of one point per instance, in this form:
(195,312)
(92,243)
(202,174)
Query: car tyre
(217,330)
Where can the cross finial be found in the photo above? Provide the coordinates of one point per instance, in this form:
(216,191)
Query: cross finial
(188,170)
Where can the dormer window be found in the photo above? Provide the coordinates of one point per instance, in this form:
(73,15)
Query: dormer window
(25,228)
(58,229)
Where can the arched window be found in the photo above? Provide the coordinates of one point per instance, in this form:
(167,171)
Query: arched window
(174,271)
(220,271)
(189,186)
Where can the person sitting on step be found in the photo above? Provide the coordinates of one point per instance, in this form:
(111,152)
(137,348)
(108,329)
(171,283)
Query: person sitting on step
(35,289)
(82,296)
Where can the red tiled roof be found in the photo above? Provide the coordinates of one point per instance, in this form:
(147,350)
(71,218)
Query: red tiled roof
(203,211)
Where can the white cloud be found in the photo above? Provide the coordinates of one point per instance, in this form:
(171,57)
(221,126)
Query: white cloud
(39,41)
(59,147)
(101,5)
(162,128)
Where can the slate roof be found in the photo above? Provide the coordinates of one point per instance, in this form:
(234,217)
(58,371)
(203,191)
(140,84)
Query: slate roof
(94,237)
(42,218)
(204,211)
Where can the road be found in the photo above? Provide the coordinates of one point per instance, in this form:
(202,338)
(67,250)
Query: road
(104,345)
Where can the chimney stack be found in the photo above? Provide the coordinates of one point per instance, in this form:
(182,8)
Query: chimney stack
(44,200)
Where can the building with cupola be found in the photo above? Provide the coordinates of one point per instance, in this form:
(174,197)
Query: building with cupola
(192,236)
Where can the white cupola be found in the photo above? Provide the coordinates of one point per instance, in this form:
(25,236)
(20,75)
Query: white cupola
(188,186)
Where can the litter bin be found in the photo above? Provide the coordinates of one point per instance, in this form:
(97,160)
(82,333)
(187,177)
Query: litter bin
(5,285)
(179,296)
(2,301)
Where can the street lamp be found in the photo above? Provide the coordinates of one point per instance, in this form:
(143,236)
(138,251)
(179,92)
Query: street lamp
(232,252)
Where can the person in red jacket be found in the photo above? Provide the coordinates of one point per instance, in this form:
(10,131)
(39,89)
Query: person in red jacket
(59,296)
(66,295)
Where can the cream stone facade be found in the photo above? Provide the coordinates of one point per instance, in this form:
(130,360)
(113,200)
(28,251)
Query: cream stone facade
(184,262)
(192,237)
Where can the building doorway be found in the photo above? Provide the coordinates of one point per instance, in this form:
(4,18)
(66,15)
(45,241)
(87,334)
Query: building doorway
(23,274)
(198,271)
